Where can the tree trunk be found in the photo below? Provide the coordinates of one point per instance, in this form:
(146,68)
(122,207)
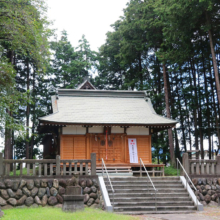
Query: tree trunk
(200,118)
(207,101)
(7,150)
(195,100)
(34,118)
(187,114)
(8,132)
(214,107)
(27,113)
(181,115)
(140,72)
(177,152)
(213,59)
(170,134)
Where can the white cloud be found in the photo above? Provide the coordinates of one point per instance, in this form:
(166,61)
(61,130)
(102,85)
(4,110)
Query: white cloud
(89,17)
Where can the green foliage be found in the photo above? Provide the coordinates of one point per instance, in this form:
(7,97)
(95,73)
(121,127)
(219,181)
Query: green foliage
(24,32)
(57,214)
(171,171)
(24,28)
(24,172)
(175,33)
(70,66)
(149,35)
(24,53)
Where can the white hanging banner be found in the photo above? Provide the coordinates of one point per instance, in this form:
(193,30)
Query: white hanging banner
(132,144)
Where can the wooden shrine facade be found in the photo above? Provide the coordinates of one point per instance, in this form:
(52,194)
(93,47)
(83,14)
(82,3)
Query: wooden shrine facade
(86,121)
(114,151)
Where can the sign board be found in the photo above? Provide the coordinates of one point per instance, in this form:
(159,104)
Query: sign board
(132,144)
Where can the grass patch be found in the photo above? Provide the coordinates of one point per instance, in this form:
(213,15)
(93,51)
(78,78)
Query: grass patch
(171,171)
(24,172)
(57,214)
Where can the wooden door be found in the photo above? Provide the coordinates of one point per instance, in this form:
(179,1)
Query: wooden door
(113,148)
(73,147)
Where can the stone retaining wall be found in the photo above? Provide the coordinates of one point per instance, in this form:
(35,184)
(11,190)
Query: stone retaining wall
(208,189)
(41,192)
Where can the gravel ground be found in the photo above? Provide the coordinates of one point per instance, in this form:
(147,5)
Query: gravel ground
(209,213)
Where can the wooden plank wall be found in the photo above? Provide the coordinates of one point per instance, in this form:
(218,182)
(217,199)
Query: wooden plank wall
(80,147)
(143,147)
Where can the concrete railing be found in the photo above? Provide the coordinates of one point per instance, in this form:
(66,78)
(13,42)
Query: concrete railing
(48,167)
(197,167)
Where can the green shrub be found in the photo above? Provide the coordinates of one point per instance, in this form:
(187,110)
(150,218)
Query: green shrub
(171,171)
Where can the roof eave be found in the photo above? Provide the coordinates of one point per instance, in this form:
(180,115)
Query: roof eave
(173,124)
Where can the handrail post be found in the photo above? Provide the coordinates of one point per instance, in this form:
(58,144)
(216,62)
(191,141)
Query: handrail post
(188,179)
(113,191)
(140,168)
(102,170)
(113,199)
(93,163)
(58,165)
(197,199)
(141,162)
(177,169)
(186,183)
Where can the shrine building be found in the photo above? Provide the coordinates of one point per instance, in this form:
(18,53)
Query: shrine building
(116,125)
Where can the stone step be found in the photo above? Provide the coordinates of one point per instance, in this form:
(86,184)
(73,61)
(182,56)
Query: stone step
(146,190)
(145,195)
(143,178)
(152,203)
(145,186)
(136,195)
(153,208)
(159,198)
(156,212)
(143,182)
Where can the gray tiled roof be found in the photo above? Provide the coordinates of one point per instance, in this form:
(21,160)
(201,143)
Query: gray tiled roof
(105,107)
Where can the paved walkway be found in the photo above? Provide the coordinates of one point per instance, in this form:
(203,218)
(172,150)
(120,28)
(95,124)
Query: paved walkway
(209,213)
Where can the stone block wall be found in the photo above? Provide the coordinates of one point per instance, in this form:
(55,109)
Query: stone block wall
(208,190)
(42,192)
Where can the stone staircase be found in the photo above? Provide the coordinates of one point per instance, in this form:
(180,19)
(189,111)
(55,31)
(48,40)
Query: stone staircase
(132,196)
(115,171)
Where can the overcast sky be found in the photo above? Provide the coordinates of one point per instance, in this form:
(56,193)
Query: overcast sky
(89,17)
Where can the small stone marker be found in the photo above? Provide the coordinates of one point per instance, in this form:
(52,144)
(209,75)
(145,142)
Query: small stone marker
(218,194)
(73,199)
(1,213)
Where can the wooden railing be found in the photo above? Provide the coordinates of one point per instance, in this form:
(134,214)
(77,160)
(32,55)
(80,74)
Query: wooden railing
(202,167)
(197,167)
(48,167)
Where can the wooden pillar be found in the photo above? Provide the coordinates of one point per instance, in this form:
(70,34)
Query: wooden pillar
(218,166)
(93,163)
(186,162)
(150,149)
(125,149)
(57,165)
(87,146)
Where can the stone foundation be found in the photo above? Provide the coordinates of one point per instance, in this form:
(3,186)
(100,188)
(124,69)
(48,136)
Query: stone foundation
(208,189)
(42,192)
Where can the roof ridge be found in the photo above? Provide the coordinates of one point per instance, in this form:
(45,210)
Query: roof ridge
(102,93)
(82,84)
